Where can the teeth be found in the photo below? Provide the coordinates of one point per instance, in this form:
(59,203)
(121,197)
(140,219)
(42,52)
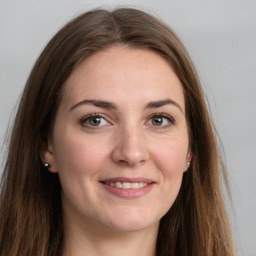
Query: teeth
(134,185)
(118,185)
(127,185)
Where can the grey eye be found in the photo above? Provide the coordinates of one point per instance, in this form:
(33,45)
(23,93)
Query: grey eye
(161,120)
(94,120)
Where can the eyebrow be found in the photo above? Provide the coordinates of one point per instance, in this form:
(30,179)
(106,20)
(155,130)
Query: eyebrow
(97,103)
(109,105)
(161,103)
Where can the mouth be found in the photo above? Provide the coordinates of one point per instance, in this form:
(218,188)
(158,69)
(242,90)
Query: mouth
(127,187)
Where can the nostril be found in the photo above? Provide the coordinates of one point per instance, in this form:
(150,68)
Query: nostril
(123,162)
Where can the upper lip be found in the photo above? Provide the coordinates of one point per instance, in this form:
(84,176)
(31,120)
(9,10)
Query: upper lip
(129,180)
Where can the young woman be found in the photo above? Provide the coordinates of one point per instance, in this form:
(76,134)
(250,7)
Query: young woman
(113,151)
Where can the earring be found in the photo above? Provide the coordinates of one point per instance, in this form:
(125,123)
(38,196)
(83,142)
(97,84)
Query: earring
(47,165)
(187,166)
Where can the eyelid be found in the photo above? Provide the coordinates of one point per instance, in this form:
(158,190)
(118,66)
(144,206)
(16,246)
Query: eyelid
(163,115)
(169,117)
(95,115)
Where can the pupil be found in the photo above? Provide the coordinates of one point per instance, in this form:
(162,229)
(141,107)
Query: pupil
(157,120)
(95,121)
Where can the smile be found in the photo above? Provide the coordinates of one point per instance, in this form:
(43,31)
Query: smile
(127,185)
(129,188)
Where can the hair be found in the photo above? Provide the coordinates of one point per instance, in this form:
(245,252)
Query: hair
(30,200)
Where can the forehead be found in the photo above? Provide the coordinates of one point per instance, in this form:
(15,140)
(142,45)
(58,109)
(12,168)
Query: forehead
(135,73)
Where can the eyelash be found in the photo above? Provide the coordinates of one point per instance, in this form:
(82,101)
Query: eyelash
(170,120)
(163,116)
(91,116)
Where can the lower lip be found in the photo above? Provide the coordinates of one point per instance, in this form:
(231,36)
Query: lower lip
(129,193)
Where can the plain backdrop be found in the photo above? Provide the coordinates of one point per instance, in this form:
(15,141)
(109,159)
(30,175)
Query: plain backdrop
(220,36)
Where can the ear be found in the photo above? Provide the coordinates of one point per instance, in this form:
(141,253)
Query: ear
(47,155)
(188,160)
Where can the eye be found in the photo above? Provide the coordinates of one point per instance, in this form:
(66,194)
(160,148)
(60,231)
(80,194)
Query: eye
(94,121)
(161,120)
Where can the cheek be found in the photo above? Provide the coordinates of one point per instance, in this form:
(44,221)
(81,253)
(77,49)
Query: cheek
(79,156)
(79,162)
(170,157)
(170,161)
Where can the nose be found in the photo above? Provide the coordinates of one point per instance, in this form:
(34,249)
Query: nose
(130,148)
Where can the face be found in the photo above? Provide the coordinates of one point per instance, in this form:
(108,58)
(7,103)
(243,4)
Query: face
(120,140)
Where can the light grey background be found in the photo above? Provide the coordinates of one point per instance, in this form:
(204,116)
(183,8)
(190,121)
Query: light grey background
(221,38)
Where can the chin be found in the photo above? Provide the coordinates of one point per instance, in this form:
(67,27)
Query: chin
(130,222)
(133,227)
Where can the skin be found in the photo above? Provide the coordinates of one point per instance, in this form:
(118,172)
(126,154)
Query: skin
(128,140)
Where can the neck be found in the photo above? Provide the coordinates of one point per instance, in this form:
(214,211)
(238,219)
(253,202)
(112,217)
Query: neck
(92,240)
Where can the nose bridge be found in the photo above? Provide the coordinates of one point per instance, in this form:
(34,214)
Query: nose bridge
(130,148)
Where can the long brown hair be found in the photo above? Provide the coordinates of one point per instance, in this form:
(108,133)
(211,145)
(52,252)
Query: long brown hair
(30,200)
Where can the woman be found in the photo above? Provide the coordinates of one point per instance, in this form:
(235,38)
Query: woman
(113,151)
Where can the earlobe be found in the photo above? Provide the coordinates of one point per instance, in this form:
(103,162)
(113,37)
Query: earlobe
(189,156)
(188,160)
(47,157)
(187,166)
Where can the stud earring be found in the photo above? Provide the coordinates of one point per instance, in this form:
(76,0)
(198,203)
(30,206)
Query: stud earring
(187,166)
(47,165)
